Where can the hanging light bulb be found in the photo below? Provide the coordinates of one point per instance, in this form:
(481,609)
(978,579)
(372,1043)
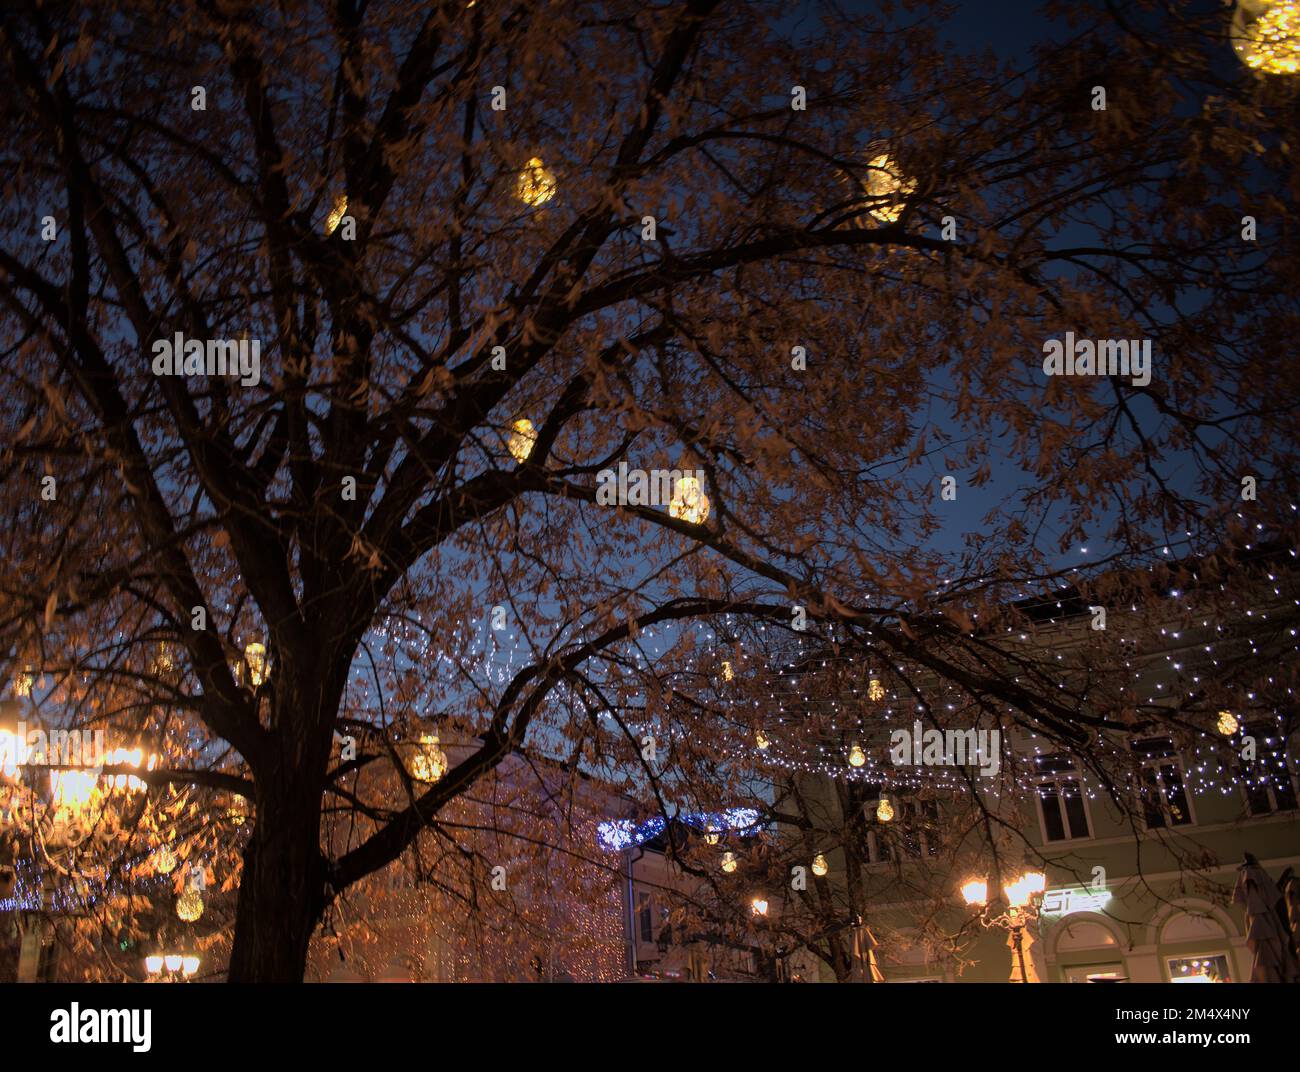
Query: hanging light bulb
(760,739)
(535,185)
(189,905)
(237,813)
(888,188)
(727,673)
(728,862)
(1266,35)
(1227,723)
(875,691)
(758,906)
(164,860)
(337,213)
(711,836)
(522,437)
(689,503)
(857,757)
(255,663)
(163,662)
(429,763)
(884,810)
(819,865)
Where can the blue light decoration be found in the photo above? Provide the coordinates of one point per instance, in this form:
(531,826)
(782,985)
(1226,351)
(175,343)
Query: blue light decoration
(32,895)
(617,835)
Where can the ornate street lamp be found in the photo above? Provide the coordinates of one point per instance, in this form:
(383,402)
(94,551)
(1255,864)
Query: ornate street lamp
(1024,898)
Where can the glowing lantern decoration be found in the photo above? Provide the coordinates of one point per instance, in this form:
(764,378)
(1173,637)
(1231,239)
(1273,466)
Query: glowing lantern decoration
(1266,35)
(189,905)
(336,215)
(857,757)
(758,906)
(819,865)
(536,185)
(429,763)
(255,663)
(164,860)
(887,187)
(728,862)
(728,674)
(711,836)
(875,691)
(237,813)
(153,965)
(760,739)
(689,503)
(522,437)
(189,965)
(173,962)
(1228,723)
(163,662)
(976,892)
(884,810)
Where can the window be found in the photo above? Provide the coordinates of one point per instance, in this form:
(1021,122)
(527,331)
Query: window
(1212,968)
(1161,790)
(911,834)
(645,916)
(1060,798)
(1268,781)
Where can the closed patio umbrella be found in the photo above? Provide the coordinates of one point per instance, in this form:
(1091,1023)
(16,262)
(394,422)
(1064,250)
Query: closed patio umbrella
(1267,931)
(865,968)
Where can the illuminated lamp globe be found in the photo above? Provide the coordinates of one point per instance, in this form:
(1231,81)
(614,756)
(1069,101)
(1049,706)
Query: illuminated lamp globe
(255,664)
(337,213)
(173,962)
(728,862)
(728,674)
(164,860)
(1227,724)
(153,964)
(875,691)
(760,739)
(1266,35)
(976,892)
(189,905)
(429,763)
(819,865)
(857,757)
(189,965)
(689,503)
(885,810)
(888,188)
(759,906)
(535,185)
(522,437)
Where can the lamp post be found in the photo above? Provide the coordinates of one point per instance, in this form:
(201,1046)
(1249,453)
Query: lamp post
(171,966)
(1023,896)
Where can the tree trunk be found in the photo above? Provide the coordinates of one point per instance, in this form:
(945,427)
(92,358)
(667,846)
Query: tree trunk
(281,892)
